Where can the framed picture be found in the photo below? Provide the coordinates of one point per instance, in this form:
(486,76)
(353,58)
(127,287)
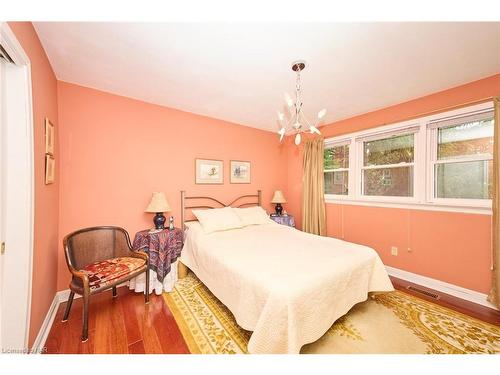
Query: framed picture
(49,137)
(50,169)
(209,171)
(240,172)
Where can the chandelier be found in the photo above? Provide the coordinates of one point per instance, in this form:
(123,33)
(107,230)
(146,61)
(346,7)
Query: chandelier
(296,122)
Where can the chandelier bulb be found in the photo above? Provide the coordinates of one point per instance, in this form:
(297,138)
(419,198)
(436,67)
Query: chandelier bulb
(321,113)
(282,133)
(288,100)
(298,138)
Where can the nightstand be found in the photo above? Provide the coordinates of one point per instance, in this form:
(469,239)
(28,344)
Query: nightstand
(164,248)
(283,220)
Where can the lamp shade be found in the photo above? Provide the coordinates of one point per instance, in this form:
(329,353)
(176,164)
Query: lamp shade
(278,197)
(158,203)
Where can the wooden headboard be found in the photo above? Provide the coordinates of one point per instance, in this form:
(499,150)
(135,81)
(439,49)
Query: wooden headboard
(195,202)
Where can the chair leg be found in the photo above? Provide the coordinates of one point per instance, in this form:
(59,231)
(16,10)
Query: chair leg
(85,331)
(146,296)
(68,306)
(114,292)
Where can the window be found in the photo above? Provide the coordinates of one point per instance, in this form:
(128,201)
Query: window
(388,166)
(463,165)
(336,169)
(442,161)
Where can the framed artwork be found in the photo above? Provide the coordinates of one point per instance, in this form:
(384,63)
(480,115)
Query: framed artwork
(209,171)
(49,137)
(240,172)
(50,169)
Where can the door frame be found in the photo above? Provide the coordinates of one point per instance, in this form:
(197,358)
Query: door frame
(22,187)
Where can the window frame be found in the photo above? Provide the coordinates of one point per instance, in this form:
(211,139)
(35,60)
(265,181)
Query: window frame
(360,168)
(425,157)
(337,143)
(433,161)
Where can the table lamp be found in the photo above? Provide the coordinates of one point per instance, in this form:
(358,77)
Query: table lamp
(278,198)
(158,205)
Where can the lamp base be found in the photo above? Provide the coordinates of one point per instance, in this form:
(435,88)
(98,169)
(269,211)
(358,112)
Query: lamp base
(279,209)
(159,220)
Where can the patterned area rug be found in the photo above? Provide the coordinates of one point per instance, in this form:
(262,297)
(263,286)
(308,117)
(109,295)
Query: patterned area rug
(393,322)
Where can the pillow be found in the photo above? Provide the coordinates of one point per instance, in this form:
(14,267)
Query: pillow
(252,215)
(218,219)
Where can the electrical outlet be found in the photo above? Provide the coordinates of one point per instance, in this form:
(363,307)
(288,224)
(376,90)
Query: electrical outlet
(394,250)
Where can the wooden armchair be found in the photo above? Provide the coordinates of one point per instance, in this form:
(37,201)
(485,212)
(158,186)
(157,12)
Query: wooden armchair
(100,258)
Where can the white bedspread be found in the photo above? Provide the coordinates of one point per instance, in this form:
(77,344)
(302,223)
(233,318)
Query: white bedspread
(286,286)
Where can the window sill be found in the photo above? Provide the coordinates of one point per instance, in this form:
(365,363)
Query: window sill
(409,205)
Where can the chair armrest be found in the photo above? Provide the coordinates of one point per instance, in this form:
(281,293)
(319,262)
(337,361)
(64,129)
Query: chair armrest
(81,275)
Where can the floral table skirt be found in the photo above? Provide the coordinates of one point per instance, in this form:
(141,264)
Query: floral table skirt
(138,283)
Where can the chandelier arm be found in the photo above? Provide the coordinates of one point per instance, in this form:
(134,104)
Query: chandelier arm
(305,119)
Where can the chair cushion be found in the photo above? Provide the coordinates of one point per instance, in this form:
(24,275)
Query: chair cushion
(108,271)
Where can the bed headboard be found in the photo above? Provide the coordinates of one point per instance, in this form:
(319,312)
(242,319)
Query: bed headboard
(195,202)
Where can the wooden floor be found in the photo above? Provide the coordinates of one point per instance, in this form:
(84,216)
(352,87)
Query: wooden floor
(126,325)
(118,325)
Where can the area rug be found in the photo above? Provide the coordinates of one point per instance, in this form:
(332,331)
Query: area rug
(393,322)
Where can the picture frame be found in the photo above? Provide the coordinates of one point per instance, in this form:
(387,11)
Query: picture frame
(49,137)
(50,169)
(240,172)
(209,171)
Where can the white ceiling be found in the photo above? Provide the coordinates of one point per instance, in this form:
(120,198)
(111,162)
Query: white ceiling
(239,71)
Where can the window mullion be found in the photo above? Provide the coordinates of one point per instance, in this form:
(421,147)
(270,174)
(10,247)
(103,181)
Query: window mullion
(336,170)
(465,159)
(387,166)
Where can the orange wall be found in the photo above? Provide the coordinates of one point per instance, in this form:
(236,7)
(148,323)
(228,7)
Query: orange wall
(452,247)
(44,86)
(116,151)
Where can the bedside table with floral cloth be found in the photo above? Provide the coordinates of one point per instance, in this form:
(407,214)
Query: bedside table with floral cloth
(164,248)
(284,220)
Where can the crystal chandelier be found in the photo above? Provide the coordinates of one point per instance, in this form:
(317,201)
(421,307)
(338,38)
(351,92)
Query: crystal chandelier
(296,121)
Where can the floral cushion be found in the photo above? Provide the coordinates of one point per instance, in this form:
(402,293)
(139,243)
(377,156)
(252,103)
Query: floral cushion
(107,271)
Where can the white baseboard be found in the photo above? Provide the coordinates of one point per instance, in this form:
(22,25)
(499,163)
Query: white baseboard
(63,295)
(43,333)
(441,286)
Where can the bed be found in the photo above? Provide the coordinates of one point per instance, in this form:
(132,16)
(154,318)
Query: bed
(286,286)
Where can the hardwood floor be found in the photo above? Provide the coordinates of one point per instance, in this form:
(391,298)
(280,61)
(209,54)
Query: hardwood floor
(118,325)
(126,325)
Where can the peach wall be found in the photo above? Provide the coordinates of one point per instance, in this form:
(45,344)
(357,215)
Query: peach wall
(116,151)
(44,86)
(452,247)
